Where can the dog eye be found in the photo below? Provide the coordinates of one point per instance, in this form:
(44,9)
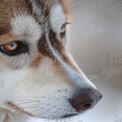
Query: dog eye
(10,47)
(63,30)
(14,48)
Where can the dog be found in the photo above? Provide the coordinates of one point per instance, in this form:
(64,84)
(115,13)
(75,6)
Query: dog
(38,76)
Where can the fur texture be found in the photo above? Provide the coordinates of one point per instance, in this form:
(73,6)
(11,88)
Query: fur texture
(38,82)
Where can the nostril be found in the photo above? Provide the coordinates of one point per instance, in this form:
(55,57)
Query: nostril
(85,101)
(86,106)
(79,106)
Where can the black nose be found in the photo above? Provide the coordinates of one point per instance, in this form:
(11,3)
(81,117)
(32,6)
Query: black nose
(86,100)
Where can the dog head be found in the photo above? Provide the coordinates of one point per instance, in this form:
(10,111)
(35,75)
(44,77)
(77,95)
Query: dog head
(39,76)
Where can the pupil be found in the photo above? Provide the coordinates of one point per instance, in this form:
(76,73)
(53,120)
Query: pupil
(11,45)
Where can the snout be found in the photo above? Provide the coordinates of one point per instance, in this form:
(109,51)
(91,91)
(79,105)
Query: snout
(86,100)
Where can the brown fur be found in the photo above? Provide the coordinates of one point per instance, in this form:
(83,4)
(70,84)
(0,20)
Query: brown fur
(8,9)
(36,61)
(6,118)
(11,106)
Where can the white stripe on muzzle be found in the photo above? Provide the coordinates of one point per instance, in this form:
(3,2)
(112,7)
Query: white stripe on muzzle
(76,78)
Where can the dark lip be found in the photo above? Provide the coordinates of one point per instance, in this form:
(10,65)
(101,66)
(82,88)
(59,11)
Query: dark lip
(69,116)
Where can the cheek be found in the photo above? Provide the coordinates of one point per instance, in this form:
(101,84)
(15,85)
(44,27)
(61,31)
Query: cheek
(2,60)
(13,79)
(13,63)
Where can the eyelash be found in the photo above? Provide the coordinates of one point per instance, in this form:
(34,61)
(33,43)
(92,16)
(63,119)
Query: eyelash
(22,48)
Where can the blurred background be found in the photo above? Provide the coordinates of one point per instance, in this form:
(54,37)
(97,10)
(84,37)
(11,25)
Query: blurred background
(96,45)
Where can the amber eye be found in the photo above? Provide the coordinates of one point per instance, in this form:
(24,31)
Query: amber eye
(10,47)
(14,48)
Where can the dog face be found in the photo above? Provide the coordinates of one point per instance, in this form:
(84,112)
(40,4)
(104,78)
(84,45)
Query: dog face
(39,76)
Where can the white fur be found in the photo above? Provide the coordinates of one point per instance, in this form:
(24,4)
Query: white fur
(36,8)
(57,18)
(40,91)
(26,26)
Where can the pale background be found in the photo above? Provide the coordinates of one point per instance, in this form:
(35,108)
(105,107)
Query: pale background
(96,44)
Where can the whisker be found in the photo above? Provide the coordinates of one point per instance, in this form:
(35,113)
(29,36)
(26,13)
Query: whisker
(27,102)
(30,107)
(36,110)
(93,77)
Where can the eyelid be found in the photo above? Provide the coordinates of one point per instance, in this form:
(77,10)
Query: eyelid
(65,24)
(8,38)
(68,23)
(7,43)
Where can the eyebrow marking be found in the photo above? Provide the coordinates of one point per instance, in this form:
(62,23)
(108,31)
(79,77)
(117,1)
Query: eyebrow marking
(4,30)
(7,38)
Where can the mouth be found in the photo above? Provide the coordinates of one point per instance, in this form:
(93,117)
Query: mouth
(69,116)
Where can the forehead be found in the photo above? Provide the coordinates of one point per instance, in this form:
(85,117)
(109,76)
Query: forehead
(40,9)
(11,8)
